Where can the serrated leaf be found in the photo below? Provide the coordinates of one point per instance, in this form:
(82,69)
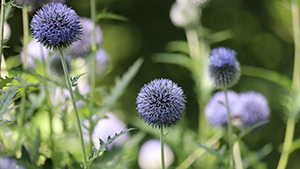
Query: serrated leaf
(103,146)
(120,85)
(174,58)
(4,82)
(74,80)
(7,100)
(4,121)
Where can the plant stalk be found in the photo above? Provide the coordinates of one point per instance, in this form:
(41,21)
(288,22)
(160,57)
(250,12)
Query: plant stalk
(230,132)
(162,147)
(78,123)
(1,31)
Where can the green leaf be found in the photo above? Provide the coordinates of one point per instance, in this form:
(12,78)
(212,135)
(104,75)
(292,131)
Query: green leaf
(120,85)
(104,14)
(74,80)
(4,82)
(268,75)
(174,58)
(7,100)
(103,146)
(247,130)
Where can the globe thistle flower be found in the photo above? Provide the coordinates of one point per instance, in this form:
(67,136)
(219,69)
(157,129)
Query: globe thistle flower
(185,15)
(35,52)
(161,103)
(56,67)
(150,155)
(224,70)
(252,108)
(101,61)
(81,47)
(215,111)
(56,26)
(104,128)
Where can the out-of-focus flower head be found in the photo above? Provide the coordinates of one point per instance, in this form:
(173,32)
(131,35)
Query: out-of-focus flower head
(7,32)
(107,127)
(56,26)
(35,51)
(192,2)
(223,69)
(215,110)
(81,47)
(9,163)
(56,67)
(161,103)
(252,108)
(102,61)
(184,15)
(150,155)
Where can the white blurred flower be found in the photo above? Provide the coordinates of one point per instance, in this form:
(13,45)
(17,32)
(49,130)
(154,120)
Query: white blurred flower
(9,163)
(150,155)
(107,127)
(102,61)
(35,51)
(185,15)
(7,32)
(192,2)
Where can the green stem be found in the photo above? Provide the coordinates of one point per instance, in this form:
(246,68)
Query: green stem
(93,69)
(162,147)
(296,71)
(1,30)
(237,156)
(290,127)
(67,77)
(230,132)
(288,139)
(25,64)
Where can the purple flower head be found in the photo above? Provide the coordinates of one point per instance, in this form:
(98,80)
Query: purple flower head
(9,163)
(102,61)
(81,47)
(161,103)
(56,67)
(224,69)
(216,112)
(252,108)
(56,26)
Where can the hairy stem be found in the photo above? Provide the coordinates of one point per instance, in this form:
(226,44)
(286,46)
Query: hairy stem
(78,123)
(162,147)
(230,132)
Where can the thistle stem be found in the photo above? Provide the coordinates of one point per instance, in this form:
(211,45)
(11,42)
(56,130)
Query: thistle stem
(93,69)
(67,77)
(1,30)
(162,147)
(230,132)
(25,64)
(290,127)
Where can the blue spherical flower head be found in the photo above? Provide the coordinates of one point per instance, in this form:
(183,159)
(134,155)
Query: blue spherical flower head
(215,110)
(224,70)
(56,26)
(252,108)
(161,103)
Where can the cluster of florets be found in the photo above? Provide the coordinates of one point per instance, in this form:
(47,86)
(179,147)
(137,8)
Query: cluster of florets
(161,103)
(223,69)
(248,108)
(56,26)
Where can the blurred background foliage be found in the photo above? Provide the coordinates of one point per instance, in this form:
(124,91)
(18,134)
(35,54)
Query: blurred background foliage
(261,34)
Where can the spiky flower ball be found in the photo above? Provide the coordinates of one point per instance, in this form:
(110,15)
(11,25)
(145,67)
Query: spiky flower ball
(252,108)
(56,26)
(185,15)
(161,103)
(81,47)
(215,110)
(56,67)
(224,70)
